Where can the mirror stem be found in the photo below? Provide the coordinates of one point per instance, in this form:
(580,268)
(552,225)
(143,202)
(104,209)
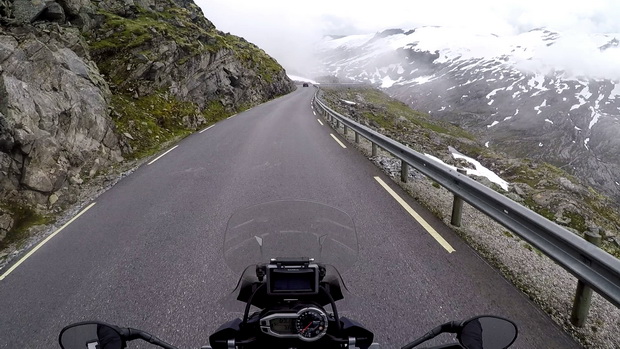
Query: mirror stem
(129,334)
(430,334)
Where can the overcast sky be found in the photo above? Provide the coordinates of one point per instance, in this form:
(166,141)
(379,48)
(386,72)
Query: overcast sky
(287,29)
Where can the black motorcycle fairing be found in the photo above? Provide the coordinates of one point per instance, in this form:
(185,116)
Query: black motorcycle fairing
(248,336)
(248,290)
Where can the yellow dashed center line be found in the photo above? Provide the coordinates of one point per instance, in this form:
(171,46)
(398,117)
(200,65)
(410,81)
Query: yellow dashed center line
(417,217)
(337,140)
(44,241)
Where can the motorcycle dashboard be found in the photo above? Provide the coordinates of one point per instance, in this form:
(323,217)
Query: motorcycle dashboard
(308,324)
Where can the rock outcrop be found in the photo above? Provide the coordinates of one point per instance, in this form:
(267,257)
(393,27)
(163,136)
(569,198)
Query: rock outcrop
(85,84)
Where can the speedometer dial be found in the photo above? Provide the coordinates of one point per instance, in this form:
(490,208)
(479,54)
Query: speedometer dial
(311,324)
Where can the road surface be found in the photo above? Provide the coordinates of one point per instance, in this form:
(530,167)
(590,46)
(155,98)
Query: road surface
(148,253)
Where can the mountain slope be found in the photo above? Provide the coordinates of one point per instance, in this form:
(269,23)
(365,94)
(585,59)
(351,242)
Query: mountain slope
(540,94)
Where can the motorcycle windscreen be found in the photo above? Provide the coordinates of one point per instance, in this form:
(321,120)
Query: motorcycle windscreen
(282,229)
(292,229)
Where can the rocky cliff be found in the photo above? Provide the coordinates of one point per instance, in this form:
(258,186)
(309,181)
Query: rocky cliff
(86,84)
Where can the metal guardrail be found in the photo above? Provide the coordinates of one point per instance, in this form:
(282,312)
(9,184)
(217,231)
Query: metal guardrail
(591,265)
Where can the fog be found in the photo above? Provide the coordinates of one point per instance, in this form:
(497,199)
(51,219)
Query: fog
(289,30)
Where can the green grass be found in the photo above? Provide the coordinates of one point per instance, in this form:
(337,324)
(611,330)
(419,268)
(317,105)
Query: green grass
(389,113)
(124,35)
(24,218)
(155,119)
(577,221)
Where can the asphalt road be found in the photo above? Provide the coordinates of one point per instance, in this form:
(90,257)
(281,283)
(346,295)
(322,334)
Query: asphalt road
(148,253)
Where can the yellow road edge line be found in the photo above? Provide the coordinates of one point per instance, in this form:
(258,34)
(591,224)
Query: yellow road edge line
(417,217)
(159,157)
(337,140)
(319,122)
(206,129)
(44,241)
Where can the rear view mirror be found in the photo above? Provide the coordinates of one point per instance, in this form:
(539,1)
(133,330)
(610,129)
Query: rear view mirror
(90,335)
(488,332)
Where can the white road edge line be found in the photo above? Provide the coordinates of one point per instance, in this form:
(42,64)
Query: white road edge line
(157,158)
(231,116)
(319,122)
(337,140)
(417,217)
(206,129)
(44,241)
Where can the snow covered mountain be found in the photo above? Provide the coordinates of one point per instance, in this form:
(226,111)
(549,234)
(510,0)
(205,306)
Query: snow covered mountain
(539,94)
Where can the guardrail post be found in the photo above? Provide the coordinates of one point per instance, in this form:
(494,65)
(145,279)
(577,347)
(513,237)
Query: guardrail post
(457,206)
(346,129)
(337,124)
(404,171)
(357,137)
(583,295)
(374,149)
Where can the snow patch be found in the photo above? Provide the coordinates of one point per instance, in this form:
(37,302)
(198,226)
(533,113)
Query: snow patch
(422,79)
(540,144)
(478,171)
(585,93)
(585,143)
(493,124)
(348,102)
(595,117)
(481,170)
(388,82)
(537,82)
(492,93)
(615,92)
(561,87)
(549,121)
(544,104)
(486,144)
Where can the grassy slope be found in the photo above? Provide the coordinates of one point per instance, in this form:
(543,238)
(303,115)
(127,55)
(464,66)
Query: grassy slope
(155,119)
(419,131)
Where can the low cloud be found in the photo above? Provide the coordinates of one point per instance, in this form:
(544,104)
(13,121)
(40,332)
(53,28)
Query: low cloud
(579,55)
(289,30)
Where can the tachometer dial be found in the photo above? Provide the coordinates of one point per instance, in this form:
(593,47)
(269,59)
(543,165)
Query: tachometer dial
(311,324)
